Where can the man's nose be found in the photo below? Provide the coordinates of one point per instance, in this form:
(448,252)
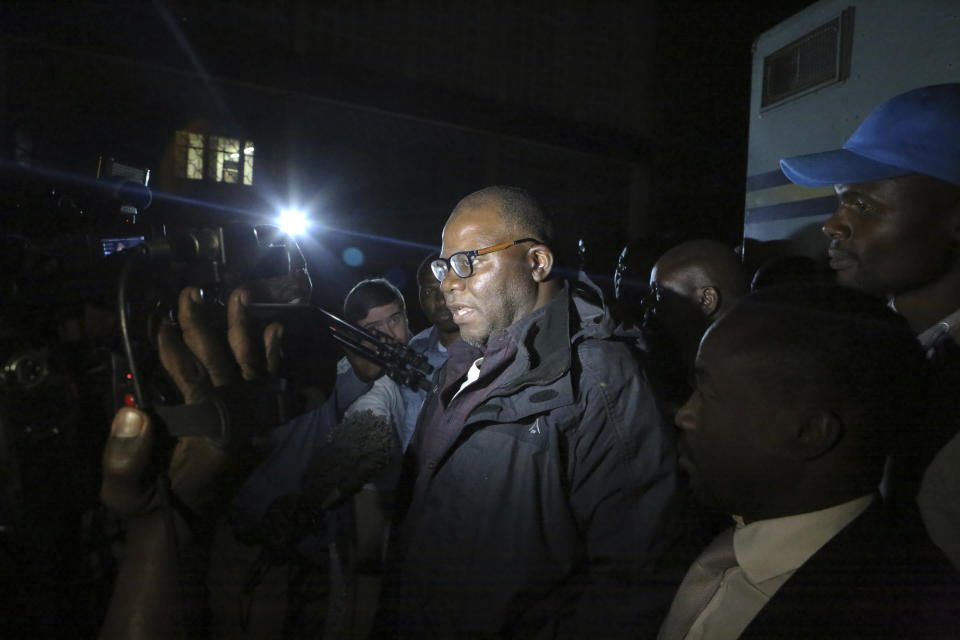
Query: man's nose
(397,333)
(837,227)
(450,282)
(381,329)
(686,416)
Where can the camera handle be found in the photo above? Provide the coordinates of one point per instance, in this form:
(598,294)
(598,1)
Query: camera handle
(232,414)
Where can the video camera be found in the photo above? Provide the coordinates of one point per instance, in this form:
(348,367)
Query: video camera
(86,274)
(68,359)
(218,260)
(64,239)
(64,244)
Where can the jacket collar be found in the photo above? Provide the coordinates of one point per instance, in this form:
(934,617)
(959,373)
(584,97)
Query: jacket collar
(543,344)
(539,382)
(545,338)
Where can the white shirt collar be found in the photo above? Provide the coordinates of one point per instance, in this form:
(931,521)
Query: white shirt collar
(473,374)
(929,337)
(768,548)
(933,334)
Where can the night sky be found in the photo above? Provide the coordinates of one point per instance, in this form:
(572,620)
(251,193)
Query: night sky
(378,119)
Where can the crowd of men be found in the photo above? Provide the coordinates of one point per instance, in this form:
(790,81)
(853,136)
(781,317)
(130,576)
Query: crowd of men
(563,474)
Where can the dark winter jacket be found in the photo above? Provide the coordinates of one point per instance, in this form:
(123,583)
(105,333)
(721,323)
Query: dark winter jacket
(542,510)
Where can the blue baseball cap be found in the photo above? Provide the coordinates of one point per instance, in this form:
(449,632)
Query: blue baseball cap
(914,132)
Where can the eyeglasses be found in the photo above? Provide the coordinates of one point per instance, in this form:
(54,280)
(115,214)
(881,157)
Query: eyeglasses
(461,262)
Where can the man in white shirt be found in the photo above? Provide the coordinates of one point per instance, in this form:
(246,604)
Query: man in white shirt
(896,234)
(800,393)
(374,305)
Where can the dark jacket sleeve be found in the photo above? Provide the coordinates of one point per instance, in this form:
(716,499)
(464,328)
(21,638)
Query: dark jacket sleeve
(622,493)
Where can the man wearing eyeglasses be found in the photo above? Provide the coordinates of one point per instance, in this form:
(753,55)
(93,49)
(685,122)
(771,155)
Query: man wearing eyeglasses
(540,470)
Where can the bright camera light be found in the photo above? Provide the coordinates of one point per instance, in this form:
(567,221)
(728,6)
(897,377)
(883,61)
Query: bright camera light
(292,221)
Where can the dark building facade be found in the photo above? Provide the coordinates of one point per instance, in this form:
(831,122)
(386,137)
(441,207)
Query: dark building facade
(374,117)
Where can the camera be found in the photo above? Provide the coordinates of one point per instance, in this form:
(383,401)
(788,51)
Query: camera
(65,365)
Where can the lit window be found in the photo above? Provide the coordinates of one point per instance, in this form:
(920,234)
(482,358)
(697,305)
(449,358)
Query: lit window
(189,155)
(214,158)
(248,163)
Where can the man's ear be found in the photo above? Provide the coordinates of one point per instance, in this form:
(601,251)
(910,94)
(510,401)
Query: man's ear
(709,300)
(819,434)
(540,258)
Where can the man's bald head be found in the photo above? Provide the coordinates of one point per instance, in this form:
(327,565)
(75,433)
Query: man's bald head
(519,210)
(691,285)
(777,427)
(692,268)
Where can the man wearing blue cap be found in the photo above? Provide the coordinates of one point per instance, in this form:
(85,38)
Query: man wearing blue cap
(896,233)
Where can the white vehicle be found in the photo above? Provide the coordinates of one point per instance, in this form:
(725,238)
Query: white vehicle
(815,77)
